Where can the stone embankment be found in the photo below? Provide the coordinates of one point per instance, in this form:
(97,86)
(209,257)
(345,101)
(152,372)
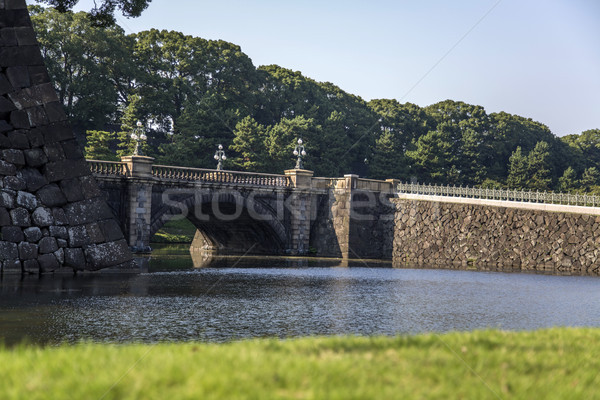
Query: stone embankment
(484,236)
(52,213)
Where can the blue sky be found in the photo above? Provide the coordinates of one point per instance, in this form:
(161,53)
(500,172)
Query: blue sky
(538,59)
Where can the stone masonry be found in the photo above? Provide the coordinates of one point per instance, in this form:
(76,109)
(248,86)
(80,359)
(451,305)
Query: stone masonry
(482,236)
(52,214)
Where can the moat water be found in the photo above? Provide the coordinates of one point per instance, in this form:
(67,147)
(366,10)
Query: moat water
(230,298)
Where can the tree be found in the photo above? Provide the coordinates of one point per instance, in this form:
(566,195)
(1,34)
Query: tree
(103,14)
(282,139)
(83,62)
(590,178)
(538,167)
(568,181)
(433,157)
(249,144)
(517,175)
(99,146)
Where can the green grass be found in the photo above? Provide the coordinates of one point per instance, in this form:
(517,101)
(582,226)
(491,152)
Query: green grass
(175,231)
(547,364)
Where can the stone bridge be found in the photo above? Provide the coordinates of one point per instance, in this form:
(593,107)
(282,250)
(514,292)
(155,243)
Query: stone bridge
(240,212)
(350,217)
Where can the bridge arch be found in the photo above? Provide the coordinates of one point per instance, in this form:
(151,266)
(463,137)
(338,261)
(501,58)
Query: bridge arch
(230,221)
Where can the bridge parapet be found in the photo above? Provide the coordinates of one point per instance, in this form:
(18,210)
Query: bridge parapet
(501,194)
(165,172)
(108,168)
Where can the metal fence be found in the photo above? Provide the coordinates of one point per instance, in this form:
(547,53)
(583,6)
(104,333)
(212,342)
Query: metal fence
(501,194)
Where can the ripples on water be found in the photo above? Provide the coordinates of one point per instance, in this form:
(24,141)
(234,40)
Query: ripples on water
(177,302)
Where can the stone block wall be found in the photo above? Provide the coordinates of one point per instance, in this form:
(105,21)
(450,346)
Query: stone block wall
(454,235)
(52,214)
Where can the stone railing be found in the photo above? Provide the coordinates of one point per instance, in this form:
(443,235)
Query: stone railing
(328,183)
(501,194)
(108,168)
(211,175)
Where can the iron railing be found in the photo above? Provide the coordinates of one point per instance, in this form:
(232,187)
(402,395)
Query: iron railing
(501,194)
(211,175)
(108,168)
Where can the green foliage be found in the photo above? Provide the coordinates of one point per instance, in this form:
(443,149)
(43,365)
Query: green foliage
(568,181)
(175,231)
(557,363)
(103,13)
(590,178)
(538,167)
(99,145)
(518,171)
(249,143)
(193,94)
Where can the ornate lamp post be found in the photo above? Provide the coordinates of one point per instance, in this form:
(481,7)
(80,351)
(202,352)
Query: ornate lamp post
(138,135)
(220,157)
(299,151)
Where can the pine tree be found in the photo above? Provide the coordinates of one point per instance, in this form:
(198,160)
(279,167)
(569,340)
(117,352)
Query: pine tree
(99,144)
(517,172)
(568,181)
(249,144)
(538,167)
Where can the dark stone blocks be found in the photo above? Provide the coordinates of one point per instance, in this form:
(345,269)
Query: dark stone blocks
(18,140)
(55,112)
(51,210)
(38,75)
(31,266)
(57,132)
(71,149)
(15,4)
(27,251)
(8,37)
(111,230)
(33,179)
(20,217)
(37,116)
(72,189)
(5,87)
(107,254)
(48,245)
(19,119)
(13,156)
(48,263)
(86,211)
(6,106)
(52,196)
(8,251)
(21,55)
(18,77)
(35,157)
(33,234)
(75,258)
(25,36)
(12,234)
(4,217)
(5,126)
(78,236)
(65,169)
(7,168)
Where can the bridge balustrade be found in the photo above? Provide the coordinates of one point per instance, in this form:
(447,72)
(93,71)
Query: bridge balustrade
(501,194)
(209,175)
(108,168)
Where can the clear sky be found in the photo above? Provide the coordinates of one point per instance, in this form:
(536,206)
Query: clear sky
(536,58)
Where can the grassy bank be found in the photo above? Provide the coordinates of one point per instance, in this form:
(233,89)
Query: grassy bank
(549,364)
(175,231)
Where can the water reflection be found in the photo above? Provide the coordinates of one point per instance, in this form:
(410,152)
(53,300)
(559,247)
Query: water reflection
(225,298)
